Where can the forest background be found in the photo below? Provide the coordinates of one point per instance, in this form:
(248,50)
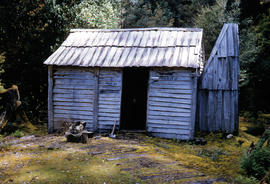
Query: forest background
(31,30)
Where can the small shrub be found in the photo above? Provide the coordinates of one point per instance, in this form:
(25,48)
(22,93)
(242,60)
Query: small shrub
(257,163)
(18,133)
(5,147)
(245,180)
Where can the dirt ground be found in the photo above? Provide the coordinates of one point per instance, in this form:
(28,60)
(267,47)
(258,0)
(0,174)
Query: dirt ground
(130,158)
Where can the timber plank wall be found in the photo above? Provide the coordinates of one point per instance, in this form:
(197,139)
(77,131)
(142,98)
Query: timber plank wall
(217,108)
(171,103)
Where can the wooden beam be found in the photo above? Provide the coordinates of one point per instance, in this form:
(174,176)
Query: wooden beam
(50,97)
(194,105)
(96,96)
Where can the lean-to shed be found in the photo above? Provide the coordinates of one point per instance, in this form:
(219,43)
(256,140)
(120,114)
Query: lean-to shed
(140,79)
(218,85)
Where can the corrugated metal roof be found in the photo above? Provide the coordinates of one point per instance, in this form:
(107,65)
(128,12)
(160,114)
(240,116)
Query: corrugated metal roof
(148,47)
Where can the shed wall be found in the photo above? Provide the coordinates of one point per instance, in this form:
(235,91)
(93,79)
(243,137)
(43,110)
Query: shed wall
(218,85)
(109,103)
(73,96)
(170,104)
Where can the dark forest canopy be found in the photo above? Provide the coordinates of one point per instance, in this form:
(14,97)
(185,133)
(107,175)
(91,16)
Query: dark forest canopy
(31,30)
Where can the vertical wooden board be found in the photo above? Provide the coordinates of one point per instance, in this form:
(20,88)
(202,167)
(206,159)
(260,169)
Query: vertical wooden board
(222,50)
(236,115)
(226,107)
(95,101)
(50,102)
(232,113)
(230,41)
(219,110)
(210,111)
(193,110)
(235,72)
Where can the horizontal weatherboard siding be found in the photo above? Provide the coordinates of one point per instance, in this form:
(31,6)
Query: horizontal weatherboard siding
(73,95)
(109,100)
(170,96)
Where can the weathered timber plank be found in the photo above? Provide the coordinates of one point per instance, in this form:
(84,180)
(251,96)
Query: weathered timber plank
(50,101)
(168,130)
(169,126)
(73,112)
(70,116)
(168,118)
(74,104)
(76,72)
(74,82)
(116,110)
(74,86)
(168,95)
(95,101)
(81,100)
(170,135)
(163,99)
(169,109)
(163,83)
(74,91)
(174,91)
(105,118)
(111,114)
(109,99)
(170,122)
(73,96)
(90,108)
(170,104)
(109,123)
(194,108)
(174,114)
(109,106)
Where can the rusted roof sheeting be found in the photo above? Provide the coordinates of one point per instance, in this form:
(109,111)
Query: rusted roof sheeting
(170,47)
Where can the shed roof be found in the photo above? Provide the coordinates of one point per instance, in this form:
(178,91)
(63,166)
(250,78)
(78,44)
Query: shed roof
(147,47)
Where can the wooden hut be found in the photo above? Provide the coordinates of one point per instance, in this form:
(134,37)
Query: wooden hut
(218,85)
(140,79)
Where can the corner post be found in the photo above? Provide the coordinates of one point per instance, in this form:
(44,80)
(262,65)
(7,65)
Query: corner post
(96,96)
(50,97)
(194,104)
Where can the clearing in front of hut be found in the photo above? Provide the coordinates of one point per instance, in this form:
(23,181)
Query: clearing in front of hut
(130,158)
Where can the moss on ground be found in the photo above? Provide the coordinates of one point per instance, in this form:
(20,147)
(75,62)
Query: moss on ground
(132,158)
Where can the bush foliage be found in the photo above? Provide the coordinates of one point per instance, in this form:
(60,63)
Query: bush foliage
(257,163)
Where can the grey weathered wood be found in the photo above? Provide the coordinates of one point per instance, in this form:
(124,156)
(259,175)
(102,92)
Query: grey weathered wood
(50,102)
(110,82)
(169,106)
(193,111)
(95,101)
(73,97)
(218,89)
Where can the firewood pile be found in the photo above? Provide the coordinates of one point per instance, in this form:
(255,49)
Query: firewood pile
(77,132)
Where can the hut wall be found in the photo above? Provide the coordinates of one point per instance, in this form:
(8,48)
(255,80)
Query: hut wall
(109,103)
(73,96)
(171,103)
(218,85)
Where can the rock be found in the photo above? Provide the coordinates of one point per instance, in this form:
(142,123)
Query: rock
(54,146)
(229,136)
(29,137)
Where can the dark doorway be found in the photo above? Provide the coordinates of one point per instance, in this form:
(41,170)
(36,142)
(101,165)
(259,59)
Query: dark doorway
(134,98)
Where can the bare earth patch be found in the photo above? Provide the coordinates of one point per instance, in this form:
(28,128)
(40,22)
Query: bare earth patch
(131,158)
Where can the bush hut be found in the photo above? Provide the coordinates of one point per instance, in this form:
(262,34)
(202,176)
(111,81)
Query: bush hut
(140,79)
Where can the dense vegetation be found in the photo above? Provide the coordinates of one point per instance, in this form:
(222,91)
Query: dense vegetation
(31,30)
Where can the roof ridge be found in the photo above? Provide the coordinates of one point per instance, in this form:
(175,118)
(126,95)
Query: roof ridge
(139,29)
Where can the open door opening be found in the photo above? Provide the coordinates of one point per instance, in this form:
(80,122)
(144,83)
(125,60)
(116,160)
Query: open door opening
(134,98)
